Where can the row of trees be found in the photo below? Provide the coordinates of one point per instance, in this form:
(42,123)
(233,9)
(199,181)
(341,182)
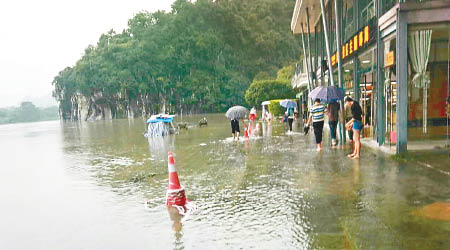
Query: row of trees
(199,57)
(27,112)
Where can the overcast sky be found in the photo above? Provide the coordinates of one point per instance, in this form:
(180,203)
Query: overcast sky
(39,38)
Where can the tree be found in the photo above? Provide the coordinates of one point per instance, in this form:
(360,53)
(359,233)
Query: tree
(286,72)
(265,90)
(27,112)
(199,57)
(275,108)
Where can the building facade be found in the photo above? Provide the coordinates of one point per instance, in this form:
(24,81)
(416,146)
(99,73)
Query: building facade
(390,55)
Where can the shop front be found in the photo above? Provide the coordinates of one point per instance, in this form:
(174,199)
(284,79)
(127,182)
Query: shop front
(359,74)
(414,39)
(394,60)
(427,119)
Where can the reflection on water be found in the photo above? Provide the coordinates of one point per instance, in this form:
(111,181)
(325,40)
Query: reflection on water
(159,146)
(273,191)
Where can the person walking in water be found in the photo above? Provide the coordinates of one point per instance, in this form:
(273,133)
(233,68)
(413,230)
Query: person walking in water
(235,128)
(252,116)
(317,118)
(333,118)
(290,118)
(356,124)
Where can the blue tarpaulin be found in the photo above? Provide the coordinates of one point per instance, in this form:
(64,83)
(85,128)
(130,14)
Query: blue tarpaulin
(160,119)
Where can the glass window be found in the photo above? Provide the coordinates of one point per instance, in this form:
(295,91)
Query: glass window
(347,18)
(348,85)
(348,78)
(367,10)
(427,113)
(388,4)
(367,88)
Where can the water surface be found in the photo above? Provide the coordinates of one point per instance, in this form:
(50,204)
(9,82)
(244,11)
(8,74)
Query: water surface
(84,185)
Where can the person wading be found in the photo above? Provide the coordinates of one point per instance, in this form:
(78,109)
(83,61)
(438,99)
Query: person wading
(317,117)
(356,124)
(235,128)
(333,118)
(290,118)
(252,116)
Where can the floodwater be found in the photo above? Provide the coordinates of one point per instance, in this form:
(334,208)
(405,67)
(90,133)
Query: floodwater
(84,185)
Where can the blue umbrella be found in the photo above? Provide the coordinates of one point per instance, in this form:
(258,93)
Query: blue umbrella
(327,94)
(335,93)
(288,103)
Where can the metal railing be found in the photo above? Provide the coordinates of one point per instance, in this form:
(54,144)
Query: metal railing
(300,76)
(367,13)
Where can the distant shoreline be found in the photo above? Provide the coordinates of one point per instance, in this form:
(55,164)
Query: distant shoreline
(28,112)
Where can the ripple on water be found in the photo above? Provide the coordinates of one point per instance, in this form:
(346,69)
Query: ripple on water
(275,192)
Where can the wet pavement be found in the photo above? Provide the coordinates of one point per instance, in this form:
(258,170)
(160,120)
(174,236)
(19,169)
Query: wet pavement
(84,185)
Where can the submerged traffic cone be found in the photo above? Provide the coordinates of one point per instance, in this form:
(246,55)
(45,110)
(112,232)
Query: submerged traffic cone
(175,195)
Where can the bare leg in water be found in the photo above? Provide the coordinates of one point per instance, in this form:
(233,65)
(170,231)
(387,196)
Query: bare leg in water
(357,145)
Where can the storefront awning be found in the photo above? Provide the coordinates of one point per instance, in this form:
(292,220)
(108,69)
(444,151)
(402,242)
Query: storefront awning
(299,15)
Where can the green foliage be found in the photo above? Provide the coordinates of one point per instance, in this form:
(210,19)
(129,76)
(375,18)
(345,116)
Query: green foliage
(260,91)
(275,108)
(286,72)
(200,57)
(27,112)
(262,76)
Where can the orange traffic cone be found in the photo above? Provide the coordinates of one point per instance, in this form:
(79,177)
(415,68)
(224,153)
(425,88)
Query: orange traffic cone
(175,192)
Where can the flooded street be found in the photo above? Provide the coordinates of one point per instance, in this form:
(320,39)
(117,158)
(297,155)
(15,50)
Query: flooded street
(84,185)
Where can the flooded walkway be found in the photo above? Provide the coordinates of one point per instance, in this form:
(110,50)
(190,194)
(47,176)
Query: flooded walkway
(84,186)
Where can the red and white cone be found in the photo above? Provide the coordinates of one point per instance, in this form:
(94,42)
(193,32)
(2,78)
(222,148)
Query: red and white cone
(175,195)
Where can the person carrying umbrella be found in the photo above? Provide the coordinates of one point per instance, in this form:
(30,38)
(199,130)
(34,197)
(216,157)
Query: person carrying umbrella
(333,118)
(236,113)
(290,117)
(289,114)
(317,118)
(330,95)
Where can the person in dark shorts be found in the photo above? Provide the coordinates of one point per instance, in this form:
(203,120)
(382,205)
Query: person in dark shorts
(355,124)
(235,128)
(317,118)
(333,118)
